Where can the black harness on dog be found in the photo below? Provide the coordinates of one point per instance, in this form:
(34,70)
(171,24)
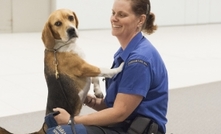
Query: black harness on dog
(71,121)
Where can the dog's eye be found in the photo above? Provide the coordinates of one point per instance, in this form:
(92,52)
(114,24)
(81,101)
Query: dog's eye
(58,23)
(71,18)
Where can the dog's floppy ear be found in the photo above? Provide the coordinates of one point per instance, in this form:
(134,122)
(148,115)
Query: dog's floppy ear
(47,37)
(76,19)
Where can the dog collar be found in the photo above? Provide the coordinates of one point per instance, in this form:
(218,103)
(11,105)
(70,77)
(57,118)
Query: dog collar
(55,49)
(55,59)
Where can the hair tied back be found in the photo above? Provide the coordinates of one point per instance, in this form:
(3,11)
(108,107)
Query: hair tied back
(148,9)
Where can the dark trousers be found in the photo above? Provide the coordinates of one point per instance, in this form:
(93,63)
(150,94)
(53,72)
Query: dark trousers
(107,130)
(104,130)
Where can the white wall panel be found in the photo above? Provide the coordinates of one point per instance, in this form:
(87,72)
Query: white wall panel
(92,14)
(169,12)
(215,11)
(30,15)
(203,11)
(5,16)
(191,12)
(96,14)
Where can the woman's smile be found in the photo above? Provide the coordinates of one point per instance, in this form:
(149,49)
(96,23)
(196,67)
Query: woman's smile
(116,26)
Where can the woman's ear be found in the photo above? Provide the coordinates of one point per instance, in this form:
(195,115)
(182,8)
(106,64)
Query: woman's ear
(47,37)
(142,19)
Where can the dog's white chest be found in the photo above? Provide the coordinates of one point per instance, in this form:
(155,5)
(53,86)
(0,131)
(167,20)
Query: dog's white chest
(79,51)
(69,47)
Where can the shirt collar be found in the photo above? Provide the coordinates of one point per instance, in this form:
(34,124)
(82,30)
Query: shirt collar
(123,54)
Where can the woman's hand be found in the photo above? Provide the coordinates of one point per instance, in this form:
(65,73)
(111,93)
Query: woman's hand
(90,101)
(63,117)
(95,103)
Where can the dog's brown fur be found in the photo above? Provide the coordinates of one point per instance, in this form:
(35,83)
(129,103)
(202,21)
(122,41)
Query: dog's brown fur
(4,131)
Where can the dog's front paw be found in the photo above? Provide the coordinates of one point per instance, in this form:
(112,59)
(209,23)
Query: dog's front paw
(120,68)
(109,73)
(97,89)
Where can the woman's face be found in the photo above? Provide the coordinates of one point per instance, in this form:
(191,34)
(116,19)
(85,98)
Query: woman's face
(123,20)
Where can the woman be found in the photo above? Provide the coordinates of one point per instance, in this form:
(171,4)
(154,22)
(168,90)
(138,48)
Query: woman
(141,89)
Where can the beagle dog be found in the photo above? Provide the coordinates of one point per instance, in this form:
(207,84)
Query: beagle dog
(68,75)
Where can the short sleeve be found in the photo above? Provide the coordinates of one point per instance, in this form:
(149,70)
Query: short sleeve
(136,78)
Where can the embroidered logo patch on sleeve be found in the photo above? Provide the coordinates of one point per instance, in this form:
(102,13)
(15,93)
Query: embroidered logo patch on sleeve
(137,61)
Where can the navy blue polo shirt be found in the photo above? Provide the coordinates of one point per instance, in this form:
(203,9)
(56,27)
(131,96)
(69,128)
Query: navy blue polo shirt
(144,74)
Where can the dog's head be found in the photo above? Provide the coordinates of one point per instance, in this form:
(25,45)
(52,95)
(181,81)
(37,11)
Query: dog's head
(62,25)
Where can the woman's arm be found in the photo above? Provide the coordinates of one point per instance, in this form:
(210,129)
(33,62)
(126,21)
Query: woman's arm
(124,105)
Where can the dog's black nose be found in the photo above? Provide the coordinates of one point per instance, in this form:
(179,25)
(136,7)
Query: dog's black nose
(71,31)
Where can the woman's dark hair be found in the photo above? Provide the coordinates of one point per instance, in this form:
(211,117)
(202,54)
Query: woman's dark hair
(140,7)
